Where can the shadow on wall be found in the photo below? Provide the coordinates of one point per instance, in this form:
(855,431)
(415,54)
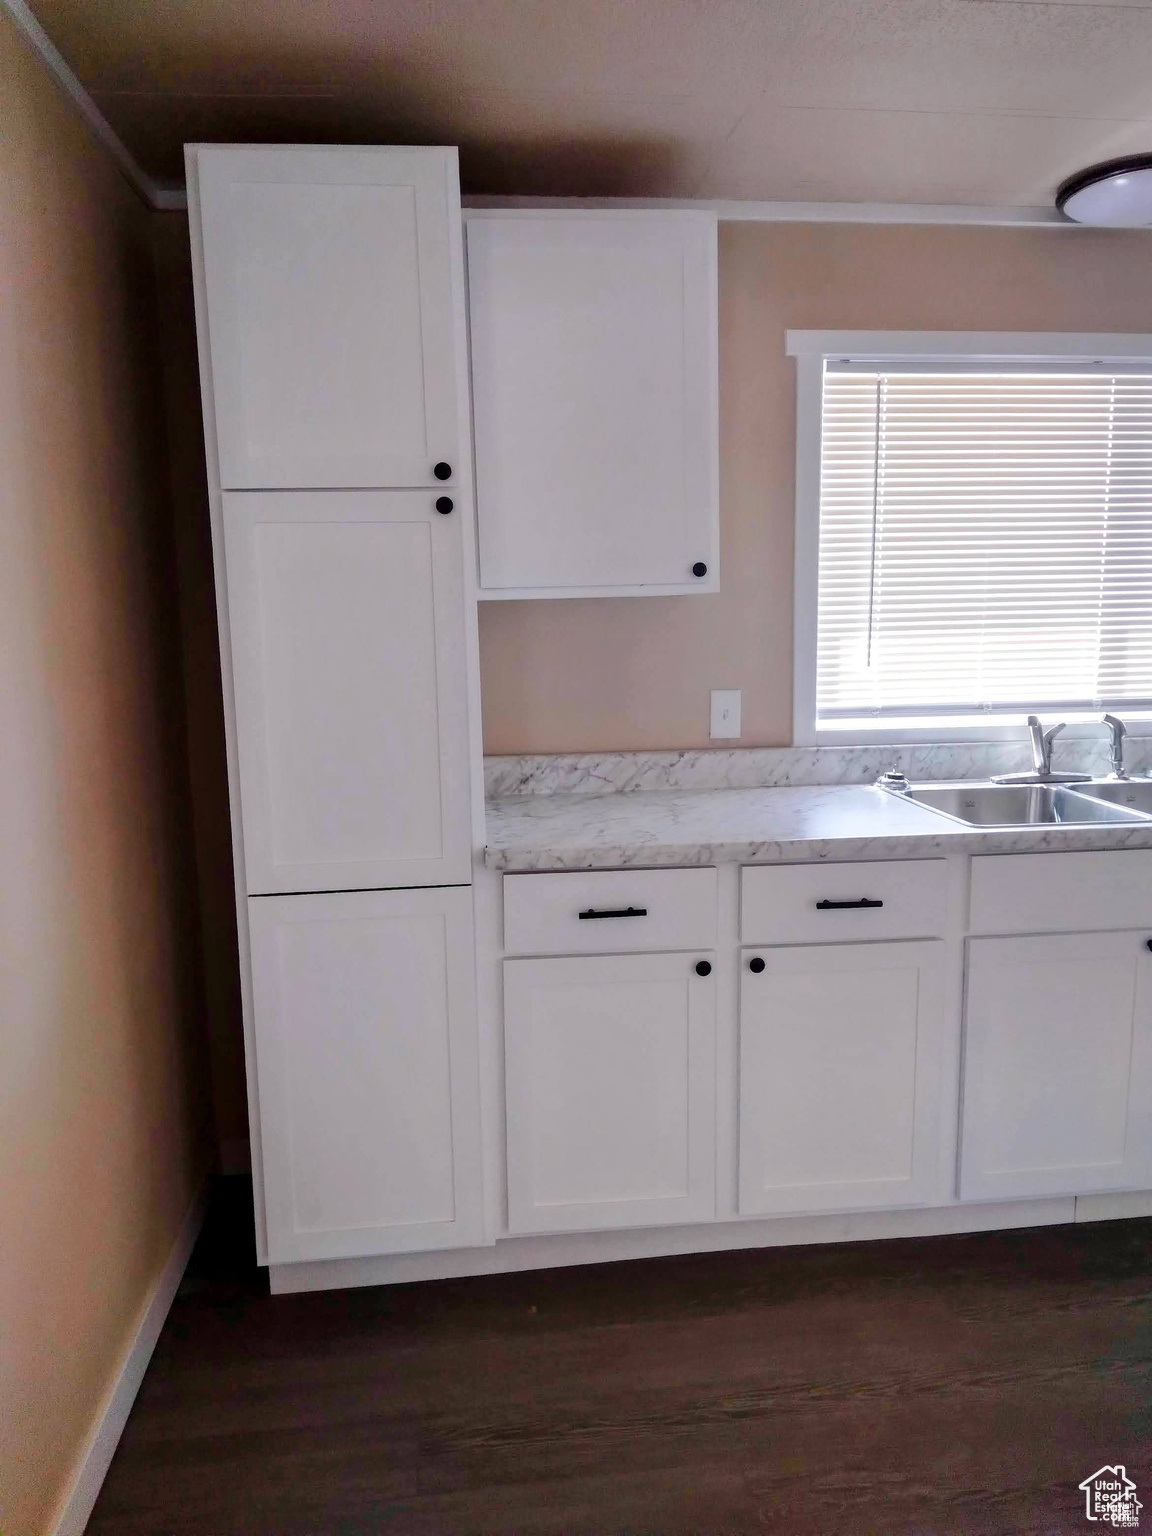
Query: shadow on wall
(201,664)
(597,166)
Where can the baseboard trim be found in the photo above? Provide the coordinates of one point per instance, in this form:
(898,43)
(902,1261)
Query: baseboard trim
(1122,1205)
(92,1467)
(558,1250)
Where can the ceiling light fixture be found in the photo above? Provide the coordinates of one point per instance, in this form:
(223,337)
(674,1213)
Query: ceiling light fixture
(1117,194)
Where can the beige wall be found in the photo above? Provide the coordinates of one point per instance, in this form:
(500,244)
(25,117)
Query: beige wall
(103,1118)
(629,673)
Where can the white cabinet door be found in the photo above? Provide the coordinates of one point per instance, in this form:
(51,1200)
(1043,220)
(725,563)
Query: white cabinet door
(595,402)
(331,313)
(367,1068)
(610,1092)
(1057,1066)
(348,654)
(840,1053)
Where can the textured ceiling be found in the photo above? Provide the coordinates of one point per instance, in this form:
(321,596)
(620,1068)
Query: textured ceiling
(952,101)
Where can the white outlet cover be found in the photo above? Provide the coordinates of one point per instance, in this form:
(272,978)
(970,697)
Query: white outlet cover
(725,720)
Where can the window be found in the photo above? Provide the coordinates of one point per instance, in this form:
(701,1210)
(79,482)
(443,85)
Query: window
(974,532)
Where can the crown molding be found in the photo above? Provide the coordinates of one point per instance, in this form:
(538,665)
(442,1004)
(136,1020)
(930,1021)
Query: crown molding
(728,210)
(734,211)
(154,193)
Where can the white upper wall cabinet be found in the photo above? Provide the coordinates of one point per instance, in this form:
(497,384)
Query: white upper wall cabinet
(348,654)
(330,305)
(595,402)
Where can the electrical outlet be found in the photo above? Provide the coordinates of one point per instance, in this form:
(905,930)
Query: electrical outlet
(725,724)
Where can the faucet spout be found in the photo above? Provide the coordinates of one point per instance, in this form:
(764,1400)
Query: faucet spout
(1118,732)
(1048,738)
(1041,751)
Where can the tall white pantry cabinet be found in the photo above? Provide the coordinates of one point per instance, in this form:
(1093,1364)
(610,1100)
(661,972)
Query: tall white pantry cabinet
(331,327)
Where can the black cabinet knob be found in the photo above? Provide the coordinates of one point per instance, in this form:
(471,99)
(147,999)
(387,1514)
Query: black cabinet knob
(699,569)
(756,965)
(1149,943)
(703,968)
(444,504)
(442,471)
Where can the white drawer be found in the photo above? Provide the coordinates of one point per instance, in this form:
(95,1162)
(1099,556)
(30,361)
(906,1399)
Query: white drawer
(1061,892)
(821,903)
(670,909)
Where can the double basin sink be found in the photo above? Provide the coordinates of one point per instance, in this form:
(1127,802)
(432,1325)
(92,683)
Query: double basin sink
(1111,801)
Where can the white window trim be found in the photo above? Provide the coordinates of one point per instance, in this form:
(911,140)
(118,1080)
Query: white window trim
(812,349)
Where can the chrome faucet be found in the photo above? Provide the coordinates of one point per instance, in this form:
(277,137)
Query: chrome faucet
(1041,740)
(1116,748)
(1042,745)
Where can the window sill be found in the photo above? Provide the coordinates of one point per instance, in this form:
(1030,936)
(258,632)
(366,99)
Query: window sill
(959,729)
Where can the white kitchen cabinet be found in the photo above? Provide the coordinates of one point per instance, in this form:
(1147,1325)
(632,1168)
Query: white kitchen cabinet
(333,355)
(365,1032)
(331,307)
(348,654)
(840,1057)
(1061,892)
(819,903)
(1057,1065)
(610,1064)
(593,338)
(609,911)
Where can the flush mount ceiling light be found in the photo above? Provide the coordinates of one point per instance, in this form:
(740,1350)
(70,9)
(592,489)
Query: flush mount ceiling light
(1117,194)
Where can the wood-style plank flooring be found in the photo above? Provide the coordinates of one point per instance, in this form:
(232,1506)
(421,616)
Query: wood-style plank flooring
(942,1385)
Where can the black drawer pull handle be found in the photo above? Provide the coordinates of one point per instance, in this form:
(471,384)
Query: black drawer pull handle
(619,912)
(842,906)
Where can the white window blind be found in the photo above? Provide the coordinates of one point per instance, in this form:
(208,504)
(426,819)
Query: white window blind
(985,540)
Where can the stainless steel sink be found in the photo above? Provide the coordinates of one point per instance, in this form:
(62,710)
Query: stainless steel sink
(1025,805)
(1135,794)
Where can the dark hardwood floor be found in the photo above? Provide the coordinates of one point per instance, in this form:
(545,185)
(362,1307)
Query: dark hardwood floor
(942,1385)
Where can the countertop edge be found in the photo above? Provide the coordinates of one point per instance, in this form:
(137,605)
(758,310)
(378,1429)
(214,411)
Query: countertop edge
(523,855)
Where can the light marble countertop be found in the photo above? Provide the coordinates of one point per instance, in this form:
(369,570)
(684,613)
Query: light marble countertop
(650,828)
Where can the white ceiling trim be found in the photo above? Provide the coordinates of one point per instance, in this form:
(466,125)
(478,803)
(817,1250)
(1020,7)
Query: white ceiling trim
(153,192)
(168,196)
(728,210)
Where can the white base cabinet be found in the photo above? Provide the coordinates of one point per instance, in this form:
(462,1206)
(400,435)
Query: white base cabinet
(369,1097)
(610,1066)
(840,1055)
(1058,1065)
(685,1099)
